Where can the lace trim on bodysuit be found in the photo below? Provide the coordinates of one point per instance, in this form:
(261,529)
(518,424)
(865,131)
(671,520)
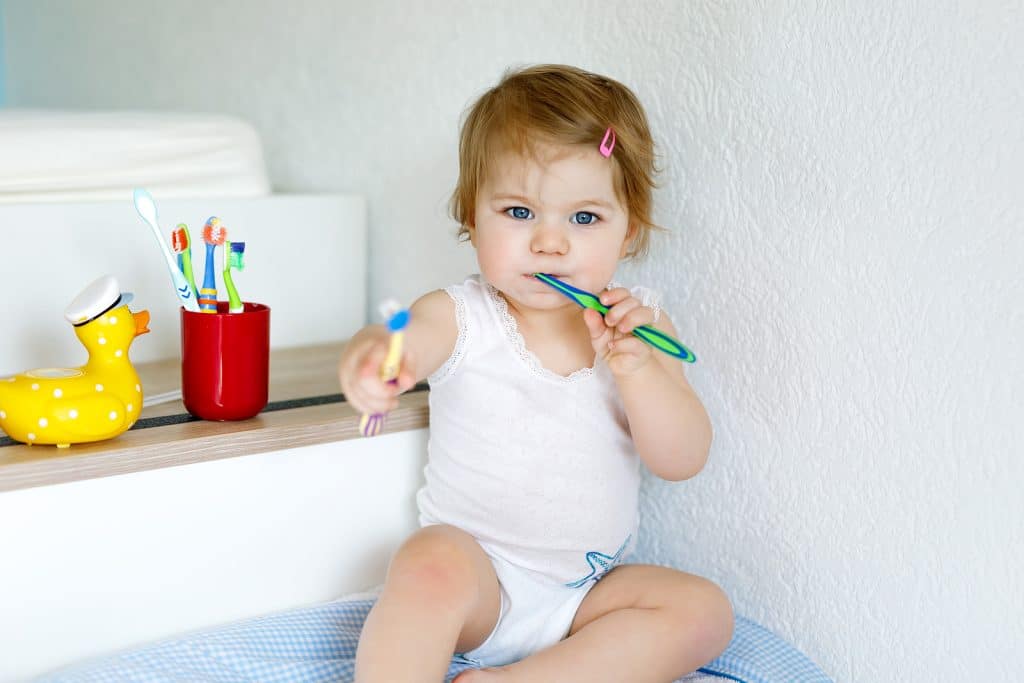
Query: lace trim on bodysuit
(515,338)
(649,298)
(446,370)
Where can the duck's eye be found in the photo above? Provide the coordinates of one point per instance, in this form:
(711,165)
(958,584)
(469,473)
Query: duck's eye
(584,218)
(519,213)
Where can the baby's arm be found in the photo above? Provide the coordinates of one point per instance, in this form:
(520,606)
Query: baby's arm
(670,428)
(429,340)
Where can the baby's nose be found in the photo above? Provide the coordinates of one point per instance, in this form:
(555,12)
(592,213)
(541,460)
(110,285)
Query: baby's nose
(549,239)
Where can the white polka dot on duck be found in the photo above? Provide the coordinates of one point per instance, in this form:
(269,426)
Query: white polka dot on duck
(138,388)
(112,320)
(130,409)
(57,393)
(3,415)
(99,387)
(119,353)
(43,422)
(113,414)
(102,340)
(73,413)
(31,436)
(35,386)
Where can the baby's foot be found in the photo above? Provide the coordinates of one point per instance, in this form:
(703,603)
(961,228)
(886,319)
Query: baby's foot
(480,676)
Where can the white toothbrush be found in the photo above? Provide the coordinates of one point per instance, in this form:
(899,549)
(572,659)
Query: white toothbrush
(146,207)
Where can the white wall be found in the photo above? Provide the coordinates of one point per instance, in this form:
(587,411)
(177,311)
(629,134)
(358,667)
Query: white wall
(843,186)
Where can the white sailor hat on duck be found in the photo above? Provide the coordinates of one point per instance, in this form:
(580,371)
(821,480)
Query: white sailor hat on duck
(95,300)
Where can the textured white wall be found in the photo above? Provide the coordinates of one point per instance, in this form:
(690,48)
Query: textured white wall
(843,187)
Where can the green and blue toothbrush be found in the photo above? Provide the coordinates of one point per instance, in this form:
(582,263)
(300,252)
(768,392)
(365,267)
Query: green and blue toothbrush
(233,252)
(646,333)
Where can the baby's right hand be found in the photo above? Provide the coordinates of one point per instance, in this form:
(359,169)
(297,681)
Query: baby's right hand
(359,373)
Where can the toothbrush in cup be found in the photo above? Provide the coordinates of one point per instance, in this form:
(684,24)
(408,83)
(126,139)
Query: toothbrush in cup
(646,333)
(181,243)
(146,208)
(371,424)
(233,252)
(214,234)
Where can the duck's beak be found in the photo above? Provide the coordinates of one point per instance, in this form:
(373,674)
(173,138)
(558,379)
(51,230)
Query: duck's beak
(141,320)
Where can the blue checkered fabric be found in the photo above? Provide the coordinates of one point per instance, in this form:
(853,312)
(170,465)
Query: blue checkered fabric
(319,644)
(756,655)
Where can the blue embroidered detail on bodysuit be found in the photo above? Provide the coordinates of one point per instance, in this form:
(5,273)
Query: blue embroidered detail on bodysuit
(600,564)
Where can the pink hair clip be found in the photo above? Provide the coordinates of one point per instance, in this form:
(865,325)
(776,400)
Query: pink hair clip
(607,145)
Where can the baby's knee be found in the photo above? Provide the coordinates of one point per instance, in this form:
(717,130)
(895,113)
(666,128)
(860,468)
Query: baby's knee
(434,567)
(720,618)
(702,613)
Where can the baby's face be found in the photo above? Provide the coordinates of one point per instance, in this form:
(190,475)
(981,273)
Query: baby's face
(557,214)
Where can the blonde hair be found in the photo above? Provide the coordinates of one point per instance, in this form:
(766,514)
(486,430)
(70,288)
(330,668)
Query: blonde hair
(562,105)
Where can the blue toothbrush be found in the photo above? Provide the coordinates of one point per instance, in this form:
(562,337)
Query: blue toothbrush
(214,234)
(651,335)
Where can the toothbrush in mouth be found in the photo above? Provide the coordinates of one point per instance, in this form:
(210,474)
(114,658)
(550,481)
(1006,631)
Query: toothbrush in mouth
(214,235)
(646,333)
(371,424)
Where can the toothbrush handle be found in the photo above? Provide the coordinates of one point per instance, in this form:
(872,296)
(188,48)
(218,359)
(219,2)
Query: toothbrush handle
(234,301)
(653,336)
(664,342)
(186,268)
(185,295)
(389,368)
(371,424)
(208,292)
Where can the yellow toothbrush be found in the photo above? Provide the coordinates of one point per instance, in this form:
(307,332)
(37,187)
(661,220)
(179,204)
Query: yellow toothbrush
(371,424)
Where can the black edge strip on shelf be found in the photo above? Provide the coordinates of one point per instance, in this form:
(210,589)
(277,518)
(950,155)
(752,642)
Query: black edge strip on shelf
(305,402)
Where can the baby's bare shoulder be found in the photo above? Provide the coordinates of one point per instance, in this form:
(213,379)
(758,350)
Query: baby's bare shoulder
(432,330)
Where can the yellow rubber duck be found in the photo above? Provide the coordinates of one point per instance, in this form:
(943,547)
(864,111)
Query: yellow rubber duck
(95,401)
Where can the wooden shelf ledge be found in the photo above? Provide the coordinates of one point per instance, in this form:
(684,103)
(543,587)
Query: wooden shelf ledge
(294,374)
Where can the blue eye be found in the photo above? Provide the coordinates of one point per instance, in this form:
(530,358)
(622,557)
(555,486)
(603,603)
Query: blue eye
(519,213)
(584,218)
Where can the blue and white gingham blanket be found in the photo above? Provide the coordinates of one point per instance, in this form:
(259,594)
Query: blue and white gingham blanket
(319,644)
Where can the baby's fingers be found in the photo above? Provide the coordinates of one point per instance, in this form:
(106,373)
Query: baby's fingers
(368,398)
(613,296)
(631,345)
(369,366)
(406,380)
(616,313)
(640,315)
(595,324)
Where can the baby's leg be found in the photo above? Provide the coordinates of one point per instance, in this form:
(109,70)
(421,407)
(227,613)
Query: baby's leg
(441,596)
(640,623)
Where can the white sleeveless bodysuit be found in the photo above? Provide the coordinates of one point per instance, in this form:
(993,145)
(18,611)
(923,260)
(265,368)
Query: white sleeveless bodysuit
(538,467)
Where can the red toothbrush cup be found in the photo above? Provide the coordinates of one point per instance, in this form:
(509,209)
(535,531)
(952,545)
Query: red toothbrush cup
(225,362)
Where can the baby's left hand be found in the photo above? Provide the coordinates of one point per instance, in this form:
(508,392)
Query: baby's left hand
(611,334)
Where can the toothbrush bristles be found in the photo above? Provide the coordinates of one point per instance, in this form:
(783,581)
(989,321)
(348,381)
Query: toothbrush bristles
(235,259)
(179,238)
(213,232)
(388,308)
